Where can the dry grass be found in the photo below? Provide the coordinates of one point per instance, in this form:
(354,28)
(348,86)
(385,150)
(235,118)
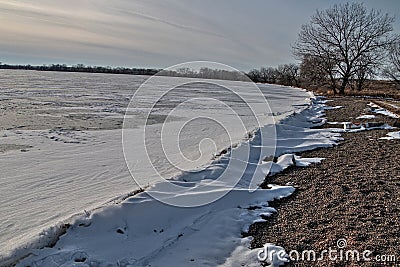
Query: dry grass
(386,89)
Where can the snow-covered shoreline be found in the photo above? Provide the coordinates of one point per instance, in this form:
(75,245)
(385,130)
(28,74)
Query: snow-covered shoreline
(163,230)
(61,133)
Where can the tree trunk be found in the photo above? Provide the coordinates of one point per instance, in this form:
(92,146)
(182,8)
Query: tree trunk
(360,84)
(343,85)
(341,89)
(333,83)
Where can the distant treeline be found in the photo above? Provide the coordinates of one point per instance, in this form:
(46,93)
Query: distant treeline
(204,73)
(285,74)
(298,75)
(82,68)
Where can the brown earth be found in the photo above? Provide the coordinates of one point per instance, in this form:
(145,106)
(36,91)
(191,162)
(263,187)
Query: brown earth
(353,194)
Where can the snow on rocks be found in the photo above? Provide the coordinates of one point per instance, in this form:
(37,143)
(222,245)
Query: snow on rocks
(392,136)
(357,127)
(330,107)
(287,160)
(377,109)
(367,117)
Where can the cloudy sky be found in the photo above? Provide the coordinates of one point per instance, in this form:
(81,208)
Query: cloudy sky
(149,33)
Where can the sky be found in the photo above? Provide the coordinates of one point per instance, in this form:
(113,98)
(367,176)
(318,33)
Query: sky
(149,33)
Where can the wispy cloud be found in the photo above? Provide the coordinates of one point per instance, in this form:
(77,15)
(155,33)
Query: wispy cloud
(152,33)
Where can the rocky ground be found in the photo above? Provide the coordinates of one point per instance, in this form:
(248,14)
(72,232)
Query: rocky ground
(353,195)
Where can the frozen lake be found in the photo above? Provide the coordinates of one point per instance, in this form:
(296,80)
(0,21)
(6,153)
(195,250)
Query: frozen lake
(61,146)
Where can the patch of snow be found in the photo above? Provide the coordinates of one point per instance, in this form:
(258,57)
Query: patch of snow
(330,107)
(273,255)
(353,128)
(366,117)
(287,160)
(377,109)
(304,162)
(394,106)
(392,136)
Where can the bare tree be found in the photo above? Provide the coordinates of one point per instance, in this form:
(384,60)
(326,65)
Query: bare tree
(264,75)
(294,74)
(392,71)
(254,75)
(269,75)
(341,36)
(288,74)
(285,74)
(364,70)
(313,73)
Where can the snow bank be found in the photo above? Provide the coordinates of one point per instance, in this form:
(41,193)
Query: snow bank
(141,231)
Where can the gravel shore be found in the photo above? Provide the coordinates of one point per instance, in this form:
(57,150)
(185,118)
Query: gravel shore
(353,194)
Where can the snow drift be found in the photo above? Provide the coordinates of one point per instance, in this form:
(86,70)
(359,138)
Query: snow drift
(141,231)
